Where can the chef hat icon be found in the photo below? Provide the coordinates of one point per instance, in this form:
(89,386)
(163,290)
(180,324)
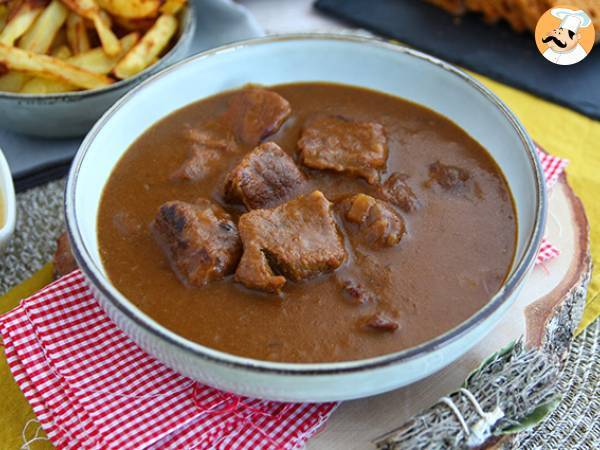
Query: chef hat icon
(570,19)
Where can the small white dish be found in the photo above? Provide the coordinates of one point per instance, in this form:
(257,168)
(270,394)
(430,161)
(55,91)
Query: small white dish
(8,203)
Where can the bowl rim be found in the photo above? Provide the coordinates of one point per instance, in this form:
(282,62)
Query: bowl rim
(100,282)
(7,194)
(187,32)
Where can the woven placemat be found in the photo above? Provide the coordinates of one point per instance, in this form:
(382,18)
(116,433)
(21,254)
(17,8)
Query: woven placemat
(40,220)
(574,424)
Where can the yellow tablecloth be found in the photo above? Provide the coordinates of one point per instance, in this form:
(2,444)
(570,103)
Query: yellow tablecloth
(560,131)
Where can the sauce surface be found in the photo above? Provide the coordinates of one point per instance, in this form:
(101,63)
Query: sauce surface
(456,252)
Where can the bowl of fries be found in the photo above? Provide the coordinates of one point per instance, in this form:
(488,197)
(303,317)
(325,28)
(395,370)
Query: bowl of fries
(63,63)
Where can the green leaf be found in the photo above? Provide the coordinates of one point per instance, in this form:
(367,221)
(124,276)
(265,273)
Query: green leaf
(535,417)
(503,351)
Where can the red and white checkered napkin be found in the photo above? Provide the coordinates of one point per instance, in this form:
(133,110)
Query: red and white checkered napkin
(91,387)
(553,167)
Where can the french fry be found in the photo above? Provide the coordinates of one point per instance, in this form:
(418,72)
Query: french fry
(77,36)
(97,61)
(134,24)
(149,47)
(131,9)
(3,15)
(48,66)
(59,40)
(12,81)
(90,10)
(109,41)
(20,20)
(39,85)
(40,35)
(106,18)
(62,52)
(172,6)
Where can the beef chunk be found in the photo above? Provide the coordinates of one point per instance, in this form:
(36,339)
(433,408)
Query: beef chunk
(450,178)
(296,240)
(381,322)
(378,224)
(199,239)
(265,178)
(256,113)
(64,261)
(357,292)
(207,147)
(396,191)
(344,145)
(199,164)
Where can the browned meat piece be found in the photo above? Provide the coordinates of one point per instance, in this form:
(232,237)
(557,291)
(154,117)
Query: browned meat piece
(64,261)
(208,146)
(381,322)
(396,191)
(378,224)
(256,113)
(296,240)
(198,165)
(357,292)
(344,145)
(265,178)
(448,177)
(199,239)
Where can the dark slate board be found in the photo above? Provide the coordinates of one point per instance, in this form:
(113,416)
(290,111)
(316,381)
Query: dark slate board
(492,50)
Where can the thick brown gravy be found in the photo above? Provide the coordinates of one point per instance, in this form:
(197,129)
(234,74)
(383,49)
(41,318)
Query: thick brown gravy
(456,253)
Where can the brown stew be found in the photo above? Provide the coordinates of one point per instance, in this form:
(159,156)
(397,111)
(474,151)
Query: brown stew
(309,222)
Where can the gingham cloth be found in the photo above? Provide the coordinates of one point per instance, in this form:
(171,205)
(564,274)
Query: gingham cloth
(91,387)
(553,167)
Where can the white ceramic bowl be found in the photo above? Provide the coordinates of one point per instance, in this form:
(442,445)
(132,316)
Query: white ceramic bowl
(8,203)
(72,114)
(284,59)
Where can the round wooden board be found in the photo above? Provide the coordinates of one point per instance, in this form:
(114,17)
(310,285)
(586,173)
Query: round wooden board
(546,312)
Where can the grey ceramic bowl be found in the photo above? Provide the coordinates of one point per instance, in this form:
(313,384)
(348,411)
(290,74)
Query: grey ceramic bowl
(72,114)
(350,60)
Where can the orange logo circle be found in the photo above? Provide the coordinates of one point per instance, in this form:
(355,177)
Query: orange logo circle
(564,35)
